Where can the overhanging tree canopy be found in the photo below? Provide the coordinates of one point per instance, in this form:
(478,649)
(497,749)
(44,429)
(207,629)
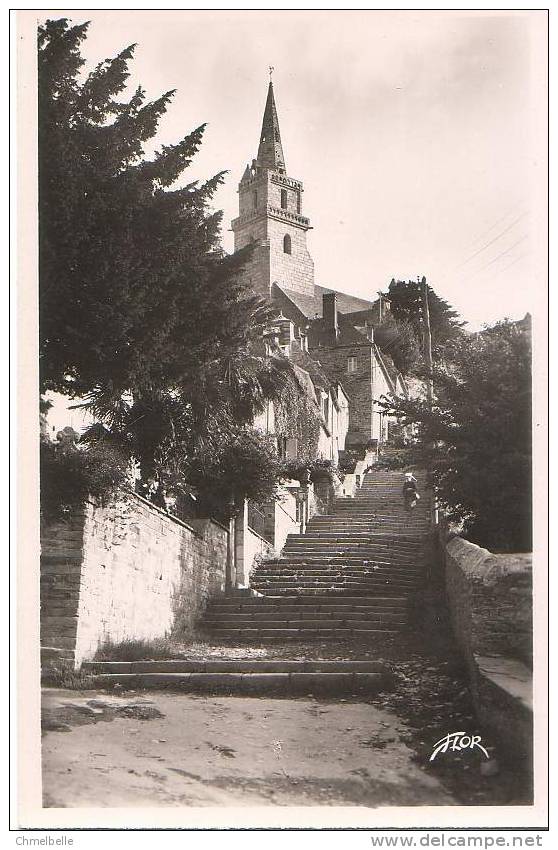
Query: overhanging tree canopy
(134,288)
(477,436)
(142,315)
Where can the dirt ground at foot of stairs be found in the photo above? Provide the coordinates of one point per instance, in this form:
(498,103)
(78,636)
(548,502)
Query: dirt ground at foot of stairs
(161,749)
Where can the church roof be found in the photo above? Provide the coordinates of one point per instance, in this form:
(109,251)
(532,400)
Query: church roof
(311,305)
(345,302)
(270,151)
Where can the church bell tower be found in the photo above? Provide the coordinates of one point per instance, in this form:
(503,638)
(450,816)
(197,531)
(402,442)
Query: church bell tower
(270,215)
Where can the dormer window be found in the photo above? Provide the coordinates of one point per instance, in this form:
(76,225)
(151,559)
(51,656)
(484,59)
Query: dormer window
(283,199)
(287,244)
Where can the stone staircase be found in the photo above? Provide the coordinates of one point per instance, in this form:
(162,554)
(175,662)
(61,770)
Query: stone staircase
(351,574)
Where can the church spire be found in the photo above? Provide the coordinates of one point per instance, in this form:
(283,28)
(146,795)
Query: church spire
(270,151)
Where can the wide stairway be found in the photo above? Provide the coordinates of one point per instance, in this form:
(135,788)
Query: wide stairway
(350,575)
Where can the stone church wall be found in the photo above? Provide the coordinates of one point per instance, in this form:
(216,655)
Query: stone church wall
(295,270)
(127,571)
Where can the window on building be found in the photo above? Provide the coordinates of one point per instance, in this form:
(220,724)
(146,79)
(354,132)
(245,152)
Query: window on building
(283,199)
(351,364)
(298,202)
(287,244)
(255,198)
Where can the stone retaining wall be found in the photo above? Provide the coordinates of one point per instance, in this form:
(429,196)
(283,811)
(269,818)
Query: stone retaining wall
(126,571)
(490,600)
(490,603)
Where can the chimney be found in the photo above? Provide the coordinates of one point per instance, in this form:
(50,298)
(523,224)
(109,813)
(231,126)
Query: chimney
(329,303)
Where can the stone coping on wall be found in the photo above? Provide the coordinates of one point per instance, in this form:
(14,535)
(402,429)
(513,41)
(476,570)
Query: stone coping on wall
(509,674)
(480,564)
(192,524)
(259,536)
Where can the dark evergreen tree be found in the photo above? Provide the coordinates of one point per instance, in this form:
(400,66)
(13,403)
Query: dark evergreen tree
(133,285)
(142,315)
(406,308)
(398,340)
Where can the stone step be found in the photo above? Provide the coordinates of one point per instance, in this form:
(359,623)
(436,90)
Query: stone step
(356,569)
(366,553)
(301,634)
(281,586)
(365,567)
(238,622)
(334,575)
(305,614)
(250,665)
(372,556)
(367,510)
(369,518)
(280,684)
(374,506)
(325,546)
(359,540)
(277,589)
(333,599)
(291,591)
(360,578)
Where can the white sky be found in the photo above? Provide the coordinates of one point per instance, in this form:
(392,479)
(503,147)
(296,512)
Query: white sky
(419,136)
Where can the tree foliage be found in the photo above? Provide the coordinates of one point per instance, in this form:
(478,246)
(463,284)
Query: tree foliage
(406,309)
(143,318)
(399,341)
(69,478)
(246,466)
(477,436)
(134,288)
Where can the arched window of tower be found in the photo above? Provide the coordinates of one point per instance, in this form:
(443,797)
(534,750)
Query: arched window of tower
(287,244)
(255,199)
(283,199)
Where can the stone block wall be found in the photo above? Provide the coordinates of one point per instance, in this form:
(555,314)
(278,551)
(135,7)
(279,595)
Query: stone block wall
(357,385)
(295,270)
(490,598)
(490,603)
(62,547)
(127,571)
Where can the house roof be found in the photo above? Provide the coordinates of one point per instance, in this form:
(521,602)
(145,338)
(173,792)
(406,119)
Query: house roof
(322,336)
(304,361)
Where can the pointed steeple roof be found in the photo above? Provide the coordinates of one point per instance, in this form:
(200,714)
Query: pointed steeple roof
(270,151)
